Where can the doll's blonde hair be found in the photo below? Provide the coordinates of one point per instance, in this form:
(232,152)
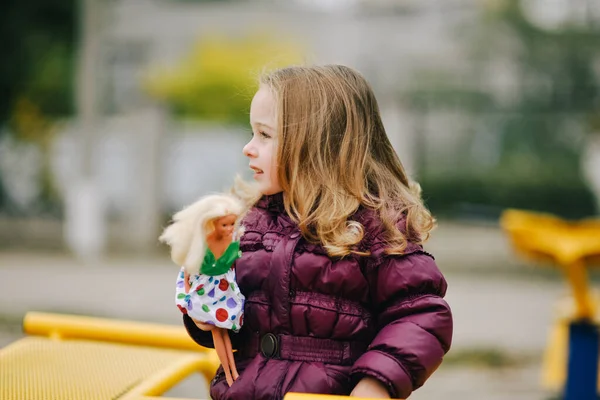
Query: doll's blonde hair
(187,233)
(335,156)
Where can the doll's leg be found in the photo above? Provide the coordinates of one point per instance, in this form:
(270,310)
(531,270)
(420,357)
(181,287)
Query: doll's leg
(229,349)
(222,353)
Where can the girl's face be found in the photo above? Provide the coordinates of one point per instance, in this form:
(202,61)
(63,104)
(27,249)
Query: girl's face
(262,148)
(224,226)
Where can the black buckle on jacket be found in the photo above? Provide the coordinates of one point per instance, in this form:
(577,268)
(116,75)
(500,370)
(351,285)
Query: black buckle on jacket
(269,345)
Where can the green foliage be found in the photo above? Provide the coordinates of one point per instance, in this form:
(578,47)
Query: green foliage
(37,46)
(217,80)
(558,64)
(38,38)
(553,99)
(486,196)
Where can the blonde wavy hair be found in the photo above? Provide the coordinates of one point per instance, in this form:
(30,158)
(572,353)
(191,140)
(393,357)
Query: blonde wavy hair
(337,157)
(186,235)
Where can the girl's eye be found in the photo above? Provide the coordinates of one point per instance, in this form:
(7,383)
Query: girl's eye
(264,135)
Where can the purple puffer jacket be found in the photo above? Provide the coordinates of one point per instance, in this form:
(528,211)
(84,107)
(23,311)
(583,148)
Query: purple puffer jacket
(318,325)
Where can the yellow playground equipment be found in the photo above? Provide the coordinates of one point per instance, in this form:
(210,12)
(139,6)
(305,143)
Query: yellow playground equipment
(83,358)
(76,357)
(571,357)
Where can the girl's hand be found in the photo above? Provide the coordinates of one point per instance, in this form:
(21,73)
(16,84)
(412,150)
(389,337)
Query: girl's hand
(203,326)
(370,388)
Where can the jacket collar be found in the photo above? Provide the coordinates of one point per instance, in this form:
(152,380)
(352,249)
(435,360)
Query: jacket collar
(272,202)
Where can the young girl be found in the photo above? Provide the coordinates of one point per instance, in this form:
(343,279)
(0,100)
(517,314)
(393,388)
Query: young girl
(340,296)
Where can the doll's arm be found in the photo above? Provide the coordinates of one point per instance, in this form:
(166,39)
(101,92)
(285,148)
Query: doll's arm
(186,281)
(205,338)
(414,323)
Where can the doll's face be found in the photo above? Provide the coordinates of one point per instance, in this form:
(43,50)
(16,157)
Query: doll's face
(262,148)
(224,225)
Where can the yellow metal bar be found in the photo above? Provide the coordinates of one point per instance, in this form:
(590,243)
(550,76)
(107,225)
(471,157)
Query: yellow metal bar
(160,398)
(289,396)
(554,364)
(567,244)
(159,361)
(42,368)
(165,379)
(310,396)
(578,278)
(209,368)
(127,332)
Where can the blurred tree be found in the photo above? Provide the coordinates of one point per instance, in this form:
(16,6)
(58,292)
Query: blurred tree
(539,114)
(31,125)
(37,43)
(219,77)
(557,86)
(210,1)
(37,39)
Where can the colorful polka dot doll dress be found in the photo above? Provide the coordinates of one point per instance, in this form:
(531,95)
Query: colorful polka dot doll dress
(214,298)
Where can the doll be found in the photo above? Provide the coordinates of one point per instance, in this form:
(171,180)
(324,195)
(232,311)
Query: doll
(204,240)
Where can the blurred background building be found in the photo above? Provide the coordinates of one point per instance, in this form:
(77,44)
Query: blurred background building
(116,113)
(490,104)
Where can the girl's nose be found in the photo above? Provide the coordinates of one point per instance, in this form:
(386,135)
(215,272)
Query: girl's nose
(249,150)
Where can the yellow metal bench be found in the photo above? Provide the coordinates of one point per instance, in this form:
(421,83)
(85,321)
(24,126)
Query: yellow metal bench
(572,246)
(76,357)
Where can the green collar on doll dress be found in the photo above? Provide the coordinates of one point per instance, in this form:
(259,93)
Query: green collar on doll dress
(212,266)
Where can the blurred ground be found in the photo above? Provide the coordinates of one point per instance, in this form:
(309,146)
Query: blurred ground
(502,307)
